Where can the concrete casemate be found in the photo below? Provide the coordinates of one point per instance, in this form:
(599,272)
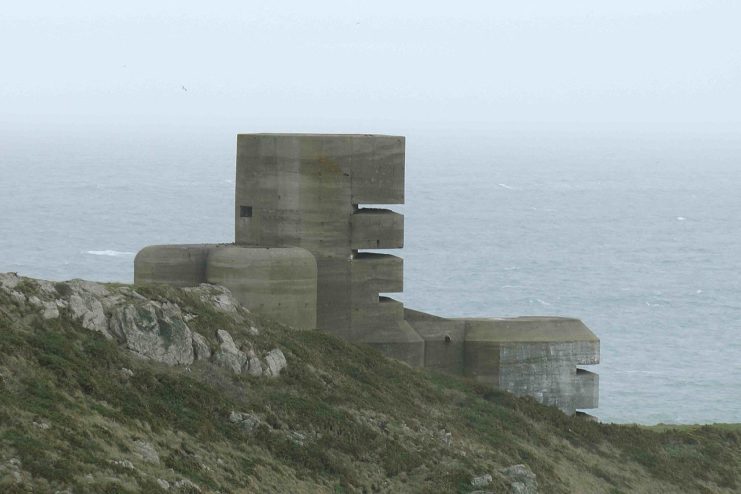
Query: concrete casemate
(277,282)
(306,224)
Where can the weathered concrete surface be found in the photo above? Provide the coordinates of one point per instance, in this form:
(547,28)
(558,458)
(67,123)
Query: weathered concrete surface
(277,282)
(176,265)
(534,356)
(397,340)
(376,229)
(444,340)
(527,356)
(280,283)
(303,190)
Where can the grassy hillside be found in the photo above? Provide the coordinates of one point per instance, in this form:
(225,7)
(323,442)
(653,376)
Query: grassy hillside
(80,414)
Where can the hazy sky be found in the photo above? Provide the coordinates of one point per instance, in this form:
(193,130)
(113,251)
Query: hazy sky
(312,65)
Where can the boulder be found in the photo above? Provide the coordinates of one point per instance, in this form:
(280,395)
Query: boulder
(482,480)
(275,362)
(145,451)
(154,331)
(228,355)
(201,350)
(246,420)
(522,480)
(88,310)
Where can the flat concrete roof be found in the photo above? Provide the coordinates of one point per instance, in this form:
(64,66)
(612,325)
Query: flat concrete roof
(528,329)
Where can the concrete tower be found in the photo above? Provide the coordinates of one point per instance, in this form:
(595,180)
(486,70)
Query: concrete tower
(309,191)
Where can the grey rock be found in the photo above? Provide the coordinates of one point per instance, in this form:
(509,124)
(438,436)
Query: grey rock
(165,485)
(44,426)
(13,468)
(90,287)
(522,480)
(9,281)
(482,480)
(146,452)
(18,297)
(445,437)
(218,296)
(275,362)
(228,355)
(244,419)
(226,342)
(50,310)
(296,437)
(186,486)
(254,366)
(154,331)
(201,350)
(47,288)
(126,464)
(89,311)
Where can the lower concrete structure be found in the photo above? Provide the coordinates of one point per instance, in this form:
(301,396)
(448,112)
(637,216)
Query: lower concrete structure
(304,209)
(527,356)
(279,283)
(176,265)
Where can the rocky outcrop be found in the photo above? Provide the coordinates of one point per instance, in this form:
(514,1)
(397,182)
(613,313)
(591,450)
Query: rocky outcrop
(155,331)
(151,329)
(228,355)
(521,479)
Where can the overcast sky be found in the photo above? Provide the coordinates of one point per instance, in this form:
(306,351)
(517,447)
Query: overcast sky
(302,64)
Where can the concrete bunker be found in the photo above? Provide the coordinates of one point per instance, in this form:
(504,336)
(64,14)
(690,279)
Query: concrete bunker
(300,256)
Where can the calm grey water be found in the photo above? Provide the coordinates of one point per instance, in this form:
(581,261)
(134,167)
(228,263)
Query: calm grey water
(638,235)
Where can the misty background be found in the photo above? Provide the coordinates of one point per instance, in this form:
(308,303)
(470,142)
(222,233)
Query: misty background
(350,65)
(572,158)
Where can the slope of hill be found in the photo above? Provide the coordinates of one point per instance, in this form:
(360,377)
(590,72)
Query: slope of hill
(114,388)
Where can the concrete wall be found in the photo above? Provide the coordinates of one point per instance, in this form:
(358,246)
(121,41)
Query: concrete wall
(534,356)
(176,265)
(278,283)
(376,229)
(444,340)
(527,356)
(305,190)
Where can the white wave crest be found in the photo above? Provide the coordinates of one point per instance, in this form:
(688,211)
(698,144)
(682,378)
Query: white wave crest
(111,253)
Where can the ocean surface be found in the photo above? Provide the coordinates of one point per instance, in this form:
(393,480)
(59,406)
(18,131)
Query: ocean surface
(637,234)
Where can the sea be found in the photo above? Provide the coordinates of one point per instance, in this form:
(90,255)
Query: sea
(637,233)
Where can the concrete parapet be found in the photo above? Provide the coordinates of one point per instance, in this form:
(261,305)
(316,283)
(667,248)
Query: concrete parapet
(176,265)
(376,229)
(279,283)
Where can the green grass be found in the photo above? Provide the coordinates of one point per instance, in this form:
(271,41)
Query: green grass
(369,424)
